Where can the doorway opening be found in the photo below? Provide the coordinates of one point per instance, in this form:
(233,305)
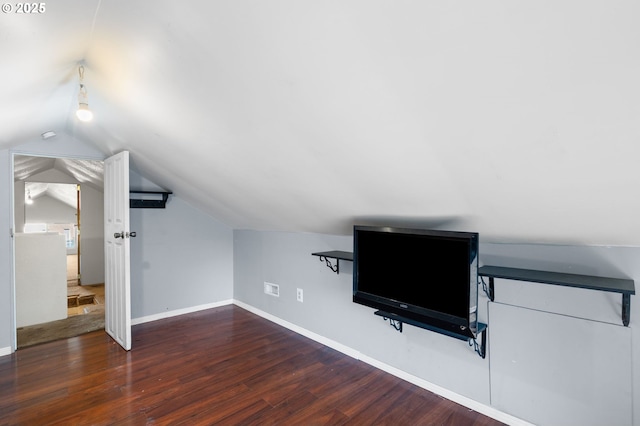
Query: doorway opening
(59,248)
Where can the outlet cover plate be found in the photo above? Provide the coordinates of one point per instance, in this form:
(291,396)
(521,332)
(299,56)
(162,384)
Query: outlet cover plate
(272,289)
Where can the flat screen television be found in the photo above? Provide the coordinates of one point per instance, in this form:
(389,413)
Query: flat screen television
(429,277)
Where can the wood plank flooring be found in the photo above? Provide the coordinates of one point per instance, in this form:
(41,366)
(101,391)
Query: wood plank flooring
(220,366)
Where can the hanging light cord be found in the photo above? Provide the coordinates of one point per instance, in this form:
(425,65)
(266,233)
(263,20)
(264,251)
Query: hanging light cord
(83,113)
(81,74)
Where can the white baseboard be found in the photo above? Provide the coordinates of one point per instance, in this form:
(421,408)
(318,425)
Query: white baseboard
(169,314)
(6,351)
(431,387)
(302,331)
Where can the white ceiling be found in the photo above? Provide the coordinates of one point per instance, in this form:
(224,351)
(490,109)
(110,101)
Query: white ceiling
(85,172)
(519,120)
(63,192)
(88,172)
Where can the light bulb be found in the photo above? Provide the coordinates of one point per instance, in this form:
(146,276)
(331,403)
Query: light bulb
(84,113)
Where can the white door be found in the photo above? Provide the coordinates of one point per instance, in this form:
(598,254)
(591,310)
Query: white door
(117,249)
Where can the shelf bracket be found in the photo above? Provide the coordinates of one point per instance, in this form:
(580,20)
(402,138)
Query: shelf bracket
(492,292)
(615,285)
(481,349)
(626,309)
(488,289)
(397,324)
(337,255)
(326,260)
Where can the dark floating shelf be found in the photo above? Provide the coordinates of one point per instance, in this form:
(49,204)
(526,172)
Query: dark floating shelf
(397,320)
(335,254)
(149,199)
(590,282)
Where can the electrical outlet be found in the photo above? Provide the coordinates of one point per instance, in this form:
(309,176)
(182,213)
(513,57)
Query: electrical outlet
(299,295)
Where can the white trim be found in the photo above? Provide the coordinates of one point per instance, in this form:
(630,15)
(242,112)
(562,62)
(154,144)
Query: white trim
(446,393)
(30,152)
(12,261)
(6,351)
(169,314)
(431,387)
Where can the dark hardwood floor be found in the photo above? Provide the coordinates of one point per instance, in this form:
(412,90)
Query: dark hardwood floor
(220,366)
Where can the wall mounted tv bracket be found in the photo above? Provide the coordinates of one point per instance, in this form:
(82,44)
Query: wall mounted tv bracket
(335,254)
(481,348)
(614,285)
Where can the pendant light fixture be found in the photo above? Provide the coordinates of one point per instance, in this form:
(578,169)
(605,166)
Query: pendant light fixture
(83,113)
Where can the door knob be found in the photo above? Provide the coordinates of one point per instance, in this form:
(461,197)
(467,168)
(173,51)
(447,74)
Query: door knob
(118,235)
(131,234)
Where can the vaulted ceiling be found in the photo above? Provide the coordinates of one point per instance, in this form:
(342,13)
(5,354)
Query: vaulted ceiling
(519,120)
(29,168)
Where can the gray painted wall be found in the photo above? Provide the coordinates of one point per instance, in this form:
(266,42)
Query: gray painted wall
(92,235)
(180,258)
(560,370)
(285,259)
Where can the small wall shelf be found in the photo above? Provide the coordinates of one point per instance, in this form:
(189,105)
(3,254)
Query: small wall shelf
(149,199)
(397,320)
(335,254)
(615,285)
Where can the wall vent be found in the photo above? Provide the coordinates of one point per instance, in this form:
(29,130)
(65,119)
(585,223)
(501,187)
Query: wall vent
(272,289)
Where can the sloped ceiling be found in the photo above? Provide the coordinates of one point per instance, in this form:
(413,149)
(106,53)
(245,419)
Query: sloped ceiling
(85,172)
(519,120)
(63,192)
(88,172)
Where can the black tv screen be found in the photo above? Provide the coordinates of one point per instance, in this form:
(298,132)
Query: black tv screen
(427,276)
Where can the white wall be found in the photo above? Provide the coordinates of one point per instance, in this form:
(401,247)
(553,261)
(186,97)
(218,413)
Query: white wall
(7,320)
(91,224)
(41,278)
(46,209)
(328,311)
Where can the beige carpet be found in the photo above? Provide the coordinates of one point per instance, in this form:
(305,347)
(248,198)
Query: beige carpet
(61,329)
